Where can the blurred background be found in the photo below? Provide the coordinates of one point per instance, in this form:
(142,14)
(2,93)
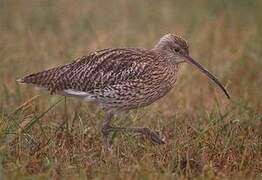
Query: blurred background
(224,35)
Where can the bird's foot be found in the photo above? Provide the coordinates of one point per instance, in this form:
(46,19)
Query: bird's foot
(152,135)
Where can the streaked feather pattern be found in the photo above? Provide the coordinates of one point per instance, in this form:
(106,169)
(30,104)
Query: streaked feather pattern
(116,78)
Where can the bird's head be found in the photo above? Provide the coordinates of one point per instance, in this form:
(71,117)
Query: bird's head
(177,49)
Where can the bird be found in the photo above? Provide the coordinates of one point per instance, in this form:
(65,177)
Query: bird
(121,79)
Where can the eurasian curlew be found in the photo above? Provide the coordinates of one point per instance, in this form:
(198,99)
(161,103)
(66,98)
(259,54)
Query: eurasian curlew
(120,79)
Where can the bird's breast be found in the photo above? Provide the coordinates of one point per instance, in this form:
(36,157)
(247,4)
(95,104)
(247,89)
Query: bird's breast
(170,77)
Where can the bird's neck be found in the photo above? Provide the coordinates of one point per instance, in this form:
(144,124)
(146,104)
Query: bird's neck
(172,73)
(165,55)
(167,62)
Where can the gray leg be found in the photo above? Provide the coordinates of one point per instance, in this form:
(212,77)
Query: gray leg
(105,128)
(151,135)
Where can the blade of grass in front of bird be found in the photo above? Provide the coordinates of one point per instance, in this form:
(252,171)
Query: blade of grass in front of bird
(25,104)
(36,119)
(12,118)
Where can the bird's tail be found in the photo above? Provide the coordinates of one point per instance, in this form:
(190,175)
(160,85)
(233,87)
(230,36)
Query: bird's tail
(51,79)
(41,79)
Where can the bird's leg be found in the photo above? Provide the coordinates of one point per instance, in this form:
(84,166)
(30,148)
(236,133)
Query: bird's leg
(106,128)
(151,135)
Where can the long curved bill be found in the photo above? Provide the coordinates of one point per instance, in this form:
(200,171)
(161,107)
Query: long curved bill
(190,60)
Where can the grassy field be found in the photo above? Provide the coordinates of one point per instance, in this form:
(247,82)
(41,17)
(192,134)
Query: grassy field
(208,136)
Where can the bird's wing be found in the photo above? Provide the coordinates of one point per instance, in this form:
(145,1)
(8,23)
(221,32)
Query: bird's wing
(106,67)
(97,70)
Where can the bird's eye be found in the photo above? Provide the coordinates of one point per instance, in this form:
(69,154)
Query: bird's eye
(177,49)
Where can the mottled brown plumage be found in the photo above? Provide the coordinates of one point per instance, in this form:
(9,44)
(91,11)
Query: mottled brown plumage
(121,78)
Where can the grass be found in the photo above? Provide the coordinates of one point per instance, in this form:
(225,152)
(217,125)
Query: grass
(208,137)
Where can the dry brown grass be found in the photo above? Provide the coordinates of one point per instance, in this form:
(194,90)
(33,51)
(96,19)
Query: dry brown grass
(208,137)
